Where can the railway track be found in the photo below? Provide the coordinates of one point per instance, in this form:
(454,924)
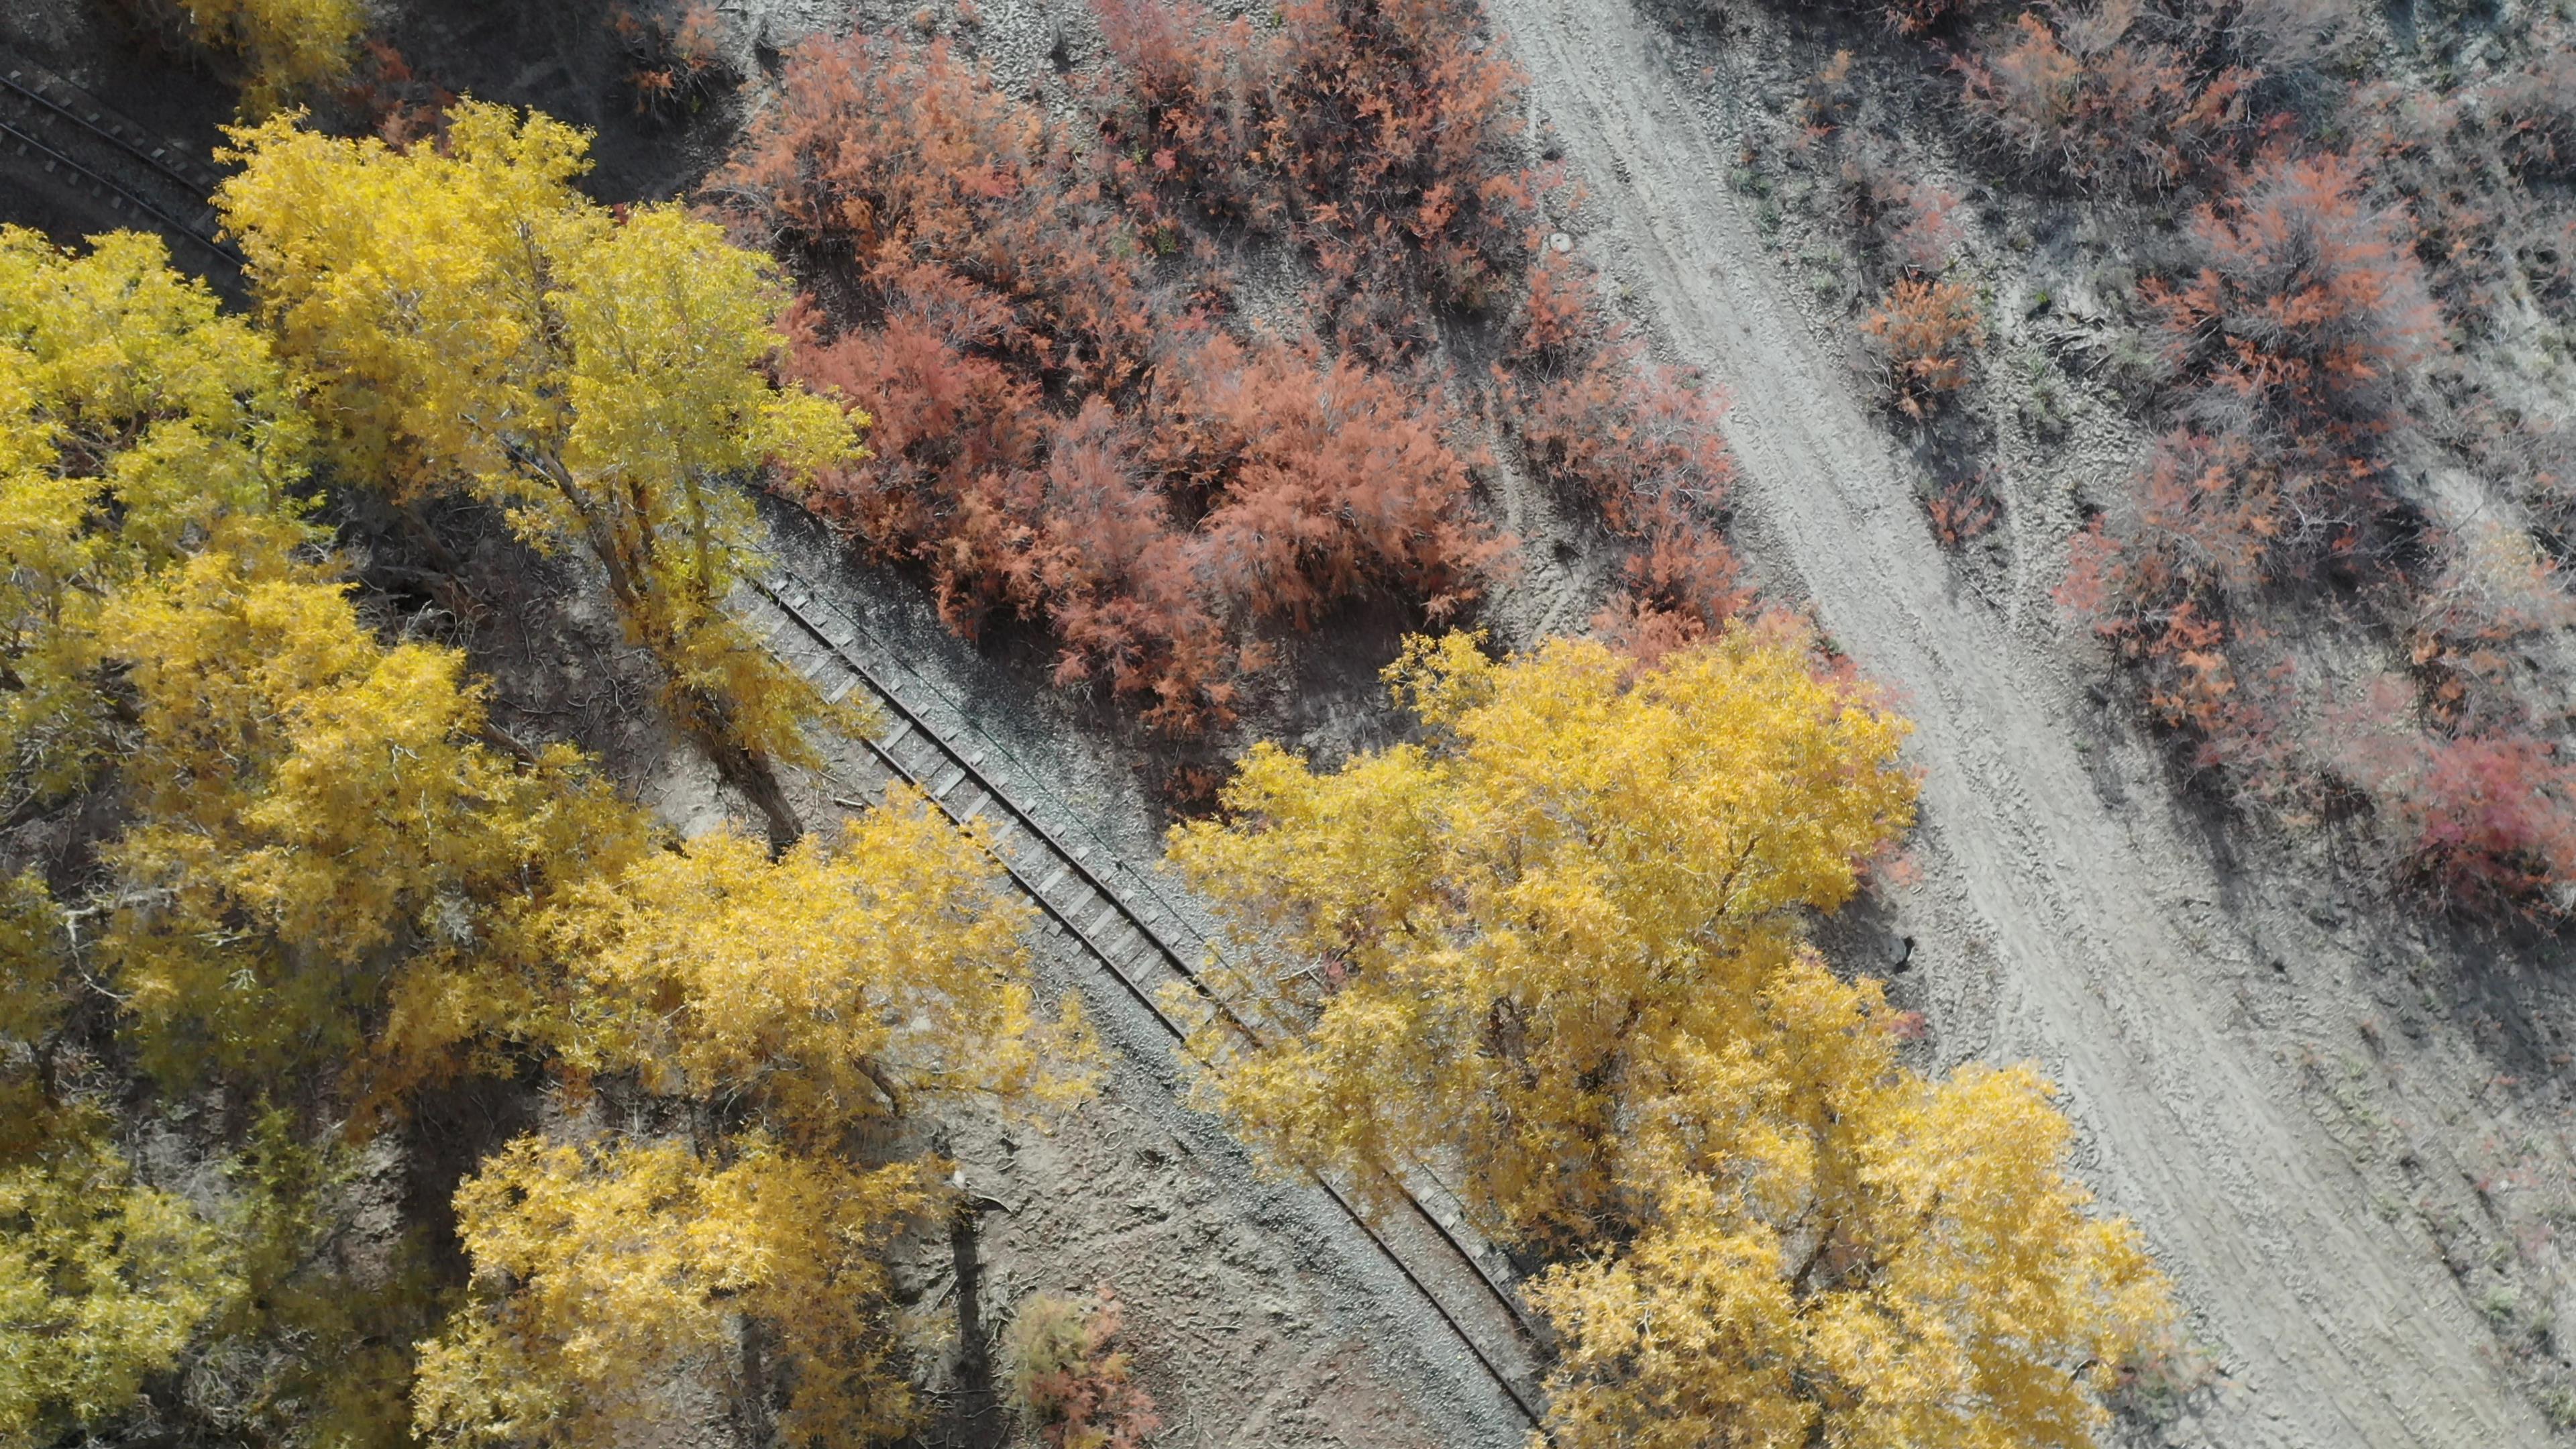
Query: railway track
(54,129)
(1133,934)
(1118,918)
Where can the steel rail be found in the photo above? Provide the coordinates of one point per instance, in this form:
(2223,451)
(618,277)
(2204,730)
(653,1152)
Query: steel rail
(952,769)
(156,159)
(34,139)
(1178,961)
(28,143)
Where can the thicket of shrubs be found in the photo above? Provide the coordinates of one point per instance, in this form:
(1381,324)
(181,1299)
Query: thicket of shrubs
(2320,282)
(1075,430)
(2315,247)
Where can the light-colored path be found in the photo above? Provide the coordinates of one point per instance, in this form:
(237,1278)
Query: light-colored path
(2336,1329)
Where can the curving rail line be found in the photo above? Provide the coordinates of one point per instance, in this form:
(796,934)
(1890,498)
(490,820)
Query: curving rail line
(1130,939)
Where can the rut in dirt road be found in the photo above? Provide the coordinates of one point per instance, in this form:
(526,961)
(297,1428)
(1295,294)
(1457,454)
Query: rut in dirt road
(2333,1329)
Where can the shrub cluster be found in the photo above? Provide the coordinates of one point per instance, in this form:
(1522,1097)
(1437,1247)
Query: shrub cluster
(1060,438)
(1068,431)
(1381,136)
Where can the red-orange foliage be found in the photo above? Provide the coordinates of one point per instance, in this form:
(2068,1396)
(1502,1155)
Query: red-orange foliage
(1925,334)
(1639,443)
(2096,103)
(1378,133)
(896,170)
(2309,310)
(674,63)
(1962,512)
(2487,823)
(1055,441)
(1913,17)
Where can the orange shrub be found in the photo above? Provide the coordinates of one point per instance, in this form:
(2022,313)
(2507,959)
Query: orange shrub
(1925,335)
(1380,134)
(1057,438)
(2486,823)
(2309,309)
(2095,104)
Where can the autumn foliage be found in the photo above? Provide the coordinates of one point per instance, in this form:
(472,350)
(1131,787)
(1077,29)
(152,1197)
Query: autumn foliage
(473,324)
(2101,97)
(324,884)
(1557,947)
(2298,332)
(1925,336)
(1378,135)
(1059,438)
(1069,1376)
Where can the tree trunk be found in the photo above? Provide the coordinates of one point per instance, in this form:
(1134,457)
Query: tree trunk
(751,773)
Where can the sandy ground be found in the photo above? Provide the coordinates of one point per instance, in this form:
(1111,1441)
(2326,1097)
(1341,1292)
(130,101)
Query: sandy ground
(1257,1314)
(2054,924)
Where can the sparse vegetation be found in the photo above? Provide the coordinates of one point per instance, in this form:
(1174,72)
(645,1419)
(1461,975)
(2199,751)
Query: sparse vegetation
(1067,1376)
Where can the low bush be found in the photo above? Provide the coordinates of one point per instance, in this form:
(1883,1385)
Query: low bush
(1058,438)
(1925,336)
(1066,1375)
(674,62)
(2092,101)
(1381,135)
(1635,440)
(2309,312)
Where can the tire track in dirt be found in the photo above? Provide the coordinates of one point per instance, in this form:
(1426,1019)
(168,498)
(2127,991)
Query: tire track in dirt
(2333,1328)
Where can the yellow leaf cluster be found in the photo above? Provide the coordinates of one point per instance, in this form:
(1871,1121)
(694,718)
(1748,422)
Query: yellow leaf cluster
(796,999)
(826,988)
(133,420)
(1524,921)
(467,318)
(614,1280)
(317,816)
(1559,945)
(103,1282)
(1839,1251)
(287,48)
(333,881)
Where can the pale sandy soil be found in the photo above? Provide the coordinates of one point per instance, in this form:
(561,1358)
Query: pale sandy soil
(2055,923)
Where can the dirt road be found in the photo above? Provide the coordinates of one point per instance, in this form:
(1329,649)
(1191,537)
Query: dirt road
(2058,924)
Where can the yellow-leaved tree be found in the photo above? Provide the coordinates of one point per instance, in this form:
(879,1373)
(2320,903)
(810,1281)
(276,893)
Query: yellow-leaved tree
(287,49)
(468,319)
(134,419)
(1522,920)
(1559,945)
(322,834)
(785,1007)
(104,1281)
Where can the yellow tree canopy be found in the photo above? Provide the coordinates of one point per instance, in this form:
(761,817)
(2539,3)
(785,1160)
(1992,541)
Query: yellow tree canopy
(1838,1251)
(468,318)
(611,1282)
(1523,921)
(824,988)
(103,1282)
(286,48)
(787,1004)
(1559,943)
(317,815)
(133,419)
